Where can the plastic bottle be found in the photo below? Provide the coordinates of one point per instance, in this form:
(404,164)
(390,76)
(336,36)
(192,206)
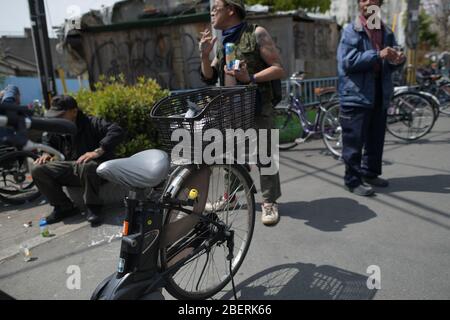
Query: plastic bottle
(44,228)
(193,110)
(26,253)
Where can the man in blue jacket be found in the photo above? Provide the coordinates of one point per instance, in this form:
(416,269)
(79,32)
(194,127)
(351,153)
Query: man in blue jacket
(366,61)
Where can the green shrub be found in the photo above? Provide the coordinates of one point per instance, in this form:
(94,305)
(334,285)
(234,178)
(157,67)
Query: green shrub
(127,105)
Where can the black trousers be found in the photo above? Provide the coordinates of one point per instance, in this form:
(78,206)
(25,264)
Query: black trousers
(51,177)
(363,133)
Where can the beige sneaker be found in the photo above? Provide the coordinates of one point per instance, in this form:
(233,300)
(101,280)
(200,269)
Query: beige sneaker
(270,214)
(221,205)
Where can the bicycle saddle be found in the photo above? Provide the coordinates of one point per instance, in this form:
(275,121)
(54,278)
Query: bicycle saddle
(321,91)
(146,169)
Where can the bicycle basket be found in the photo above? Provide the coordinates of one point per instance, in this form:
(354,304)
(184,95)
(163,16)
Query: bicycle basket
(222,108)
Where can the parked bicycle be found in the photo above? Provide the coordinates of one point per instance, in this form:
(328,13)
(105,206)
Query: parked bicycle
(411,114)
(170,238)
(295,123)
(16,183)
(438,86)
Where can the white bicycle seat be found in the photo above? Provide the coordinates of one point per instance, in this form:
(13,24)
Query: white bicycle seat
(146,169)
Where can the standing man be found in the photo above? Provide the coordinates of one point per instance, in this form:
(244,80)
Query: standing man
(366,61)
(94,143)
(262,64)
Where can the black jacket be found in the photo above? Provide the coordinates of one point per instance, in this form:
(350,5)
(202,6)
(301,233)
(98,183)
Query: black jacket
(92,133)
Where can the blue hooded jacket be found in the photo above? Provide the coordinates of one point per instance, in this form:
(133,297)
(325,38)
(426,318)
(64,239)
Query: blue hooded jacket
(10,94)
(356,58)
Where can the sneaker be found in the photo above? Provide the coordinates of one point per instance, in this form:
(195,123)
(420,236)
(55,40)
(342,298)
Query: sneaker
(61,212)
(270,214)
(363,190)
(222,204)
(377,182)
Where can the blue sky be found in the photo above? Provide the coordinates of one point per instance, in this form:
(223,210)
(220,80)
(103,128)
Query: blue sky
(14,15)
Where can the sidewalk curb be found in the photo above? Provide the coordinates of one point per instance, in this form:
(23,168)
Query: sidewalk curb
(13,251)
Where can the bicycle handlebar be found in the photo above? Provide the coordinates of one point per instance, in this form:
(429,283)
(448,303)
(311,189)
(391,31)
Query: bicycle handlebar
(14,116)
(53,125)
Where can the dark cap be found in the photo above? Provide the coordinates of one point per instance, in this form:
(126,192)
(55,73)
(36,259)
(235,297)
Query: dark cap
(61,104)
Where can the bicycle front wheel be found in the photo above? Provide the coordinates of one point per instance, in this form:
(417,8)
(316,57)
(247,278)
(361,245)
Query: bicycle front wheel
(16,184)
(289,125)
(410,116)
(332,130)
(230,200)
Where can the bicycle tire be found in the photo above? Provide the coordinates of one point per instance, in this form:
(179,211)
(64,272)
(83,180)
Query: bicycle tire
(289,125)
(443,95)
(410,116)
(13,193)
(175,281)
(331,130)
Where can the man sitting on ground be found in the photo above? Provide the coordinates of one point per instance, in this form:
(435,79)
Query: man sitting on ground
(95,142)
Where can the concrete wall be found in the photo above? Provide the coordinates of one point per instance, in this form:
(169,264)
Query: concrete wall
(167,54)
(304,46)
(282,31)
(315,48)
(170,55)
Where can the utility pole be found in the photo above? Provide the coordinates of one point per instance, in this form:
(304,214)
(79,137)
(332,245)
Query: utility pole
(412,39)
(42,50)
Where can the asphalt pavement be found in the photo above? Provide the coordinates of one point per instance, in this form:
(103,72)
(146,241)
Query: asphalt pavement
(327,245)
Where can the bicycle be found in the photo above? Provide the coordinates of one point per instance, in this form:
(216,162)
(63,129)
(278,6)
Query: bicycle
(16,183)
(169,239)
(294,125)
(411,114)
(438,86)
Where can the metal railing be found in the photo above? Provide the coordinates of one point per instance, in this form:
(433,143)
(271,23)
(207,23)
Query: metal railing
(306,93)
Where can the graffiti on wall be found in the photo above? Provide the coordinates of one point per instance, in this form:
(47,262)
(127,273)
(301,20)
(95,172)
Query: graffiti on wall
(170,58)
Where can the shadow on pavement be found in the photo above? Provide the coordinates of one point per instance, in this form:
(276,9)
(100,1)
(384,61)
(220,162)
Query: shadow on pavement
(111,215)
(438,183)
(300,281)
(329,215)
(34,204)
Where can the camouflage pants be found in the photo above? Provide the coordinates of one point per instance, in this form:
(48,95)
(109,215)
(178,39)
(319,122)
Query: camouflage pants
(270,184)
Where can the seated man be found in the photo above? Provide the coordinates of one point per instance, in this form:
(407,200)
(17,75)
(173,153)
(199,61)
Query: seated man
(94,143)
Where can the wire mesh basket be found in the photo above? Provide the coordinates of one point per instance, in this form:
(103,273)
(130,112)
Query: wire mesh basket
(221,108)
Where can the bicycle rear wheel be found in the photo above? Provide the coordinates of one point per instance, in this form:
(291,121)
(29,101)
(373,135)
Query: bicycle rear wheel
(208,271)
(332,130)
(288,122)
(410,116)
(16,184)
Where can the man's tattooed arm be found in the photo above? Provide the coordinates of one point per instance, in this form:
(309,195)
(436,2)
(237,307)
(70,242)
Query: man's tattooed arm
(270,54)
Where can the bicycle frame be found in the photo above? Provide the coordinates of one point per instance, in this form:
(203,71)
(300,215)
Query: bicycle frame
(309,128)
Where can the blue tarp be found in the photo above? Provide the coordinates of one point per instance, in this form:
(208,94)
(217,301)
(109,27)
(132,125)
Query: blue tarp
(30,88)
